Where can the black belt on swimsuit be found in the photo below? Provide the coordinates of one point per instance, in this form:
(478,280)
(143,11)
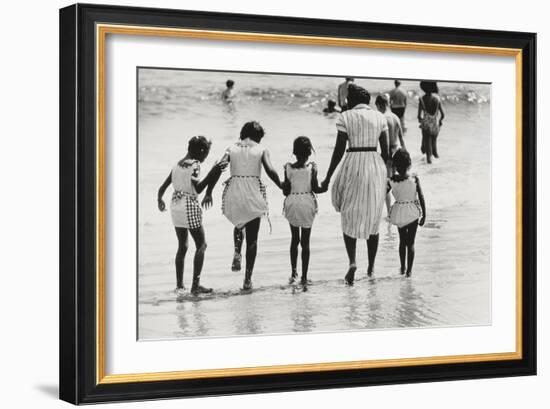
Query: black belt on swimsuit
(362,149)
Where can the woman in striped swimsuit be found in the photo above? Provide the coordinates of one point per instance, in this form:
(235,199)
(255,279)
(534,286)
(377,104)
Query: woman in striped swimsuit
(244,197)
(185,209)
(359,190)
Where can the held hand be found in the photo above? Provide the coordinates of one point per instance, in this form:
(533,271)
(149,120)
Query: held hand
(222,166)
(422,221)
(286,188)
(440,122)
(324,185)
(207,201)
(161,205)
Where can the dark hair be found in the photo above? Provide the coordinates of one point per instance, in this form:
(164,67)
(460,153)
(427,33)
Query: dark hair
(350,79)
(198,146)
(429,87)
(229,83)
(401,161)
(331,103)
(252,130)
(302,147)
(397,83)
(381,100)
(357,95)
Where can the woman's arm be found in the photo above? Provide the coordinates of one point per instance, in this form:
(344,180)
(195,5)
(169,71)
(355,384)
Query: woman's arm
(337,154)
(161,191)
(422,202)
(314,180)
(269,170)
(419,114)
(440,107)
(400,136)
(384,145)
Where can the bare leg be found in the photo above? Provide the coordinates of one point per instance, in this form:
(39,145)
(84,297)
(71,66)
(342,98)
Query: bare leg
(411,235)
(251,236)
(183,245)
(434,146)
(351,246)
(198,261)
(304,241)
(372,249)
(294,242)
(238,236)
(402,247)
(427,143)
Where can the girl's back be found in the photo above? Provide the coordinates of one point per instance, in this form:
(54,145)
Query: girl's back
(182,174)
(300,178)
(244,197)
(404,190)
(300,205)
(246,158)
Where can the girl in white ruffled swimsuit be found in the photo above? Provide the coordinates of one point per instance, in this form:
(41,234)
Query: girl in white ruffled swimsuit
(409,209)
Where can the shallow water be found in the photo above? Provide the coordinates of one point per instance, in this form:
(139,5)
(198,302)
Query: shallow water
(451,277)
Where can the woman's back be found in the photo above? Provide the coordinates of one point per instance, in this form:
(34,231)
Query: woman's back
(430,103)
(363,126)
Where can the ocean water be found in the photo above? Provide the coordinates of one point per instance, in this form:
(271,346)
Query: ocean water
(451,278)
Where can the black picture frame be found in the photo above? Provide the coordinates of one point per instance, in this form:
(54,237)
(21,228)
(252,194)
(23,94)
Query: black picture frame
(78,359)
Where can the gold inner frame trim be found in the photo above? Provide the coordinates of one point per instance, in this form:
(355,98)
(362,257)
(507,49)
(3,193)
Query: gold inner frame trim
(101,33)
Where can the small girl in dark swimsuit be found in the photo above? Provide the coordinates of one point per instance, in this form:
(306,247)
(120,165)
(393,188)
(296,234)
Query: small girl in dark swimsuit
(428,106)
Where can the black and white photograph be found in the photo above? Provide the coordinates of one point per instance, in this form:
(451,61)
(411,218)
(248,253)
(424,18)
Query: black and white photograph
(278,203)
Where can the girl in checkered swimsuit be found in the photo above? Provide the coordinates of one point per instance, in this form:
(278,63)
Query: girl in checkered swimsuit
(300,206)
(185,208)
(409,209)
(244,197)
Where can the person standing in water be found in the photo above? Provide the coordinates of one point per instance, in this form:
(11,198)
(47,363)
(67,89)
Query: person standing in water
(343,93)
(331,107)
(185,209)
(228,94)
(359,191)
(409,210)
(428,107)
(244,199)
(300,206)
(395,135)
(398,103)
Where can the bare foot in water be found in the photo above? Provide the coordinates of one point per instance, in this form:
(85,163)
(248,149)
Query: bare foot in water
(293,277)
(200,290)
(370,271)
(350,276)
(236,264)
